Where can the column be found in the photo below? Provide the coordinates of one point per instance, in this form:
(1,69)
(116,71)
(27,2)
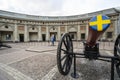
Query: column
(66,29)
(0,36)
(118,20)
(59,33)
(86,33)
(115,29)
(25,33)
(78,33)
(39,34)
(28,35)
(47,33)
(104,36)
(15,33)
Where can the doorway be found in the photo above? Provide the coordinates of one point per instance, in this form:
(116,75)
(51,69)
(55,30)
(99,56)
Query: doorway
(83,36)
(21,36)
(43,37)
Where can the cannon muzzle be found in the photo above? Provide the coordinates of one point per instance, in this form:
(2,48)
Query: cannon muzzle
(97,26)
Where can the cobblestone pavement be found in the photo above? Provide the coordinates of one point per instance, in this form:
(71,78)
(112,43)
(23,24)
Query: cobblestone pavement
(36,61)
(14,73)
(18,62)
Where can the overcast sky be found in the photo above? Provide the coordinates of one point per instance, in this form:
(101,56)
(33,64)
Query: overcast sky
(57,7)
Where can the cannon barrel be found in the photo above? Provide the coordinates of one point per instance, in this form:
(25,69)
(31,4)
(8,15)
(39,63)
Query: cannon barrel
(97,26)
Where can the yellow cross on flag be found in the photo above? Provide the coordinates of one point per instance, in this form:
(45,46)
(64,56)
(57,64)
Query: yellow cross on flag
(100,22)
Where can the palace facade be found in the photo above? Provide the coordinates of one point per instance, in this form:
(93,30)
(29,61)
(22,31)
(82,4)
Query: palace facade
(18,27)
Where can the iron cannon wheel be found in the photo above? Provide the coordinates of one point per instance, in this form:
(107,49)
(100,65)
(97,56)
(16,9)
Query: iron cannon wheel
(117,54)
(64,58)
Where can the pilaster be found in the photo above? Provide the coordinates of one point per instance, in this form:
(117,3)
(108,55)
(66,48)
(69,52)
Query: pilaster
(87,26)
(78,33)
(25,33)
(47,33)
(59,33)
(15,33)
(66,29)
(39,34)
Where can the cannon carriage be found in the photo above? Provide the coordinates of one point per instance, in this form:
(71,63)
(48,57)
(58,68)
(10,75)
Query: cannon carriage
(65,54)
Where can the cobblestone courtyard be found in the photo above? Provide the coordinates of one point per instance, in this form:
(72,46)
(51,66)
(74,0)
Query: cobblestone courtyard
(37,61)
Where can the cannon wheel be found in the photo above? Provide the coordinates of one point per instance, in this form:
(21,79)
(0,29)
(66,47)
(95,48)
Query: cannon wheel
(64,58)
(117,54)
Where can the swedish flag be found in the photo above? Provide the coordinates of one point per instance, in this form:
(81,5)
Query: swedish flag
(99,23)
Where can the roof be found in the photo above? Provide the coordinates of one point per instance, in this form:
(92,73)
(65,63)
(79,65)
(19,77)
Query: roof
(14,15)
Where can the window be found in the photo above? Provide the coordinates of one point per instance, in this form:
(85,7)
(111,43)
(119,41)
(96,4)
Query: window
(6,26)
(72,36)
(109,34)
(20,21)
(33,28)
(61,34)
(82,21)
(83,36)
(53,28)
(8,37)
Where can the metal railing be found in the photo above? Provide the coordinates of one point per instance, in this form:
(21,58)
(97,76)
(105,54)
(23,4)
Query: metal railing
(76,44)
(102,45)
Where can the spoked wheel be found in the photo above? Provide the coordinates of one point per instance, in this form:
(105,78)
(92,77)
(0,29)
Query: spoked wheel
(117,54)
(64,56)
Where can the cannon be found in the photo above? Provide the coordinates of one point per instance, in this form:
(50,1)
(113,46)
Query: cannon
(4,45)
(65,55)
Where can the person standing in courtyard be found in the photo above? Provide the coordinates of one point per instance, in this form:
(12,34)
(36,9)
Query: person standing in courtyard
(52,39)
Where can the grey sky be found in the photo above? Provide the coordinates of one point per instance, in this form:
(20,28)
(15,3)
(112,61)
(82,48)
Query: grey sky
(56,7)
